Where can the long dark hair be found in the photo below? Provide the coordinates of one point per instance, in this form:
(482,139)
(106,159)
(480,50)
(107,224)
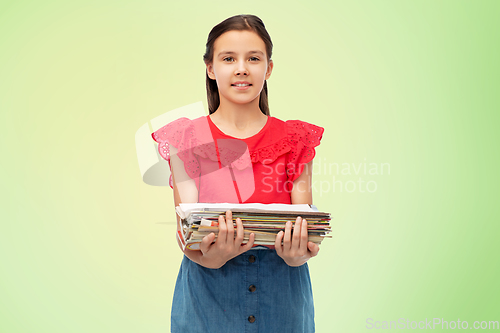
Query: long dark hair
(238,22)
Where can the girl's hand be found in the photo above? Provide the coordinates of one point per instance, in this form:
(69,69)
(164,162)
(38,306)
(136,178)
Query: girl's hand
(296,249)
(226,246)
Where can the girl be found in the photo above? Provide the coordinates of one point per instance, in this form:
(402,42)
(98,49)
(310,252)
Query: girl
(239,153)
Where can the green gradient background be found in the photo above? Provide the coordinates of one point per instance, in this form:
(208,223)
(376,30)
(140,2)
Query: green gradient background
(86,246)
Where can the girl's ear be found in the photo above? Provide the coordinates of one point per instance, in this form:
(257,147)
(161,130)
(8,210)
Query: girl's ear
(269,69)
(210,71)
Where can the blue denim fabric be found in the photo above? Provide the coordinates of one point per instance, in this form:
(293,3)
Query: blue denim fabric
(221,300)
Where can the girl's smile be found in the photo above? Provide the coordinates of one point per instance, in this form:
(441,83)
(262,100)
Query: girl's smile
(241,85)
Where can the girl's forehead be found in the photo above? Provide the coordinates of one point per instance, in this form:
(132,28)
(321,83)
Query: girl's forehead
(239,41)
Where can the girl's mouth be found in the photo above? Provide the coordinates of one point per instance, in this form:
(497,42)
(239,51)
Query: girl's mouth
(241,86)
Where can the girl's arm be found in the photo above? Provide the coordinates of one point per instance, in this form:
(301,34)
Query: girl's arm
(297,249)
(185,191)
(301,191)
(226,246)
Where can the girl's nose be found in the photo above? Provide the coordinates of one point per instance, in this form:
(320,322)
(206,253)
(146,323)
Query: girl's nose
(241,69)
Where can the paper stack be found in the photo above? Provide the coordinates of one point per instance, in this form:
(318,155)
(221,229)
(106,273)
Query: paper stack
(264,220)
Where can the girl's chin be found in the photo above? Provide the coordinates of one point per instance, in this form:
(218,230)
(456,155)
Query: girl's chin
(242,101)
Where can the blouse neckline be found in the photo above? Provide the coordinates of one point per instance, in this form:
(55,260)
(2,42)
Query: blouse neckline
(262,130)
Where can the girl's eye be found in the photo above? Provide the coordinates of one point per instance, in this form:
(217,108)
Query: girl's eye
(231,59)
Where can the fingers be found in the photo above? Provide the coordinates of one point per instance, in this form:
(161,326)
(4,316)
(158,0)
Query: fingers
(222,236)
(287,239)
(206,242)
(277,242)
(229,227)
(304,236)
(240,233)
(249,244)
(296,233)
(313,248)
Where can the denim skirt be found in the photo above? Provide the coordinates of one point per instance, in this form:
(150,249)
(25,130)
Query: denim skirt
(254,292)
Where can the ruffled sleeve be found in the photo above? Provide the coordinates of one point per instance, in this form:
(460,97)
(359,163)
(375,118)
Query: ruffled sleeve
(180,134)
(302,138)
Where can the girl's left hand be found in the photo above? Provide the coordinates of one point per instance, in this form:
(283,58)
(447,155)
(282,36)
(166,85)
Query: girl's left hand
(296,249)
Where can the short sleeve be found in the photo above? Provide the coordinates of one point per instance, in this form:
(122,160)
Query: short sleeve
(302,138)
(180,134)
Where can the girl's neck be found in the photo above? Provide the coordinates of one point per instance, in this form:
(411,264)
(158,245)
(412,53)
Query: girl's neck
(239,117)
(239,120)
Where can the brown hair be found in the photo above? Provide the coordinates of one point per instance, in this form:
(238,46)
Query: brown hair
(238,22)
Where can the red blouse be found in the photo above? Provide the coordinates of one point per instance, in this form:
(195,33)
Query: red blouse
(260,168)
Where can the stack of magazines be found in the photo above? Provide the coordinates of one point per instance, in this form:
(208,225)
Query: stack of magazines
(198,220)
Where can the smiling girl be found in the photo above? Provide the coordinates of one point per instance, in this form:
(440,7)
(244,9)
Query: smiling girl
(234,155)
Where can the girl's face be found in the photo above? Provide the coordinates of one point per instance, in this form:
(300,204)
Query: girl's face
(239,66)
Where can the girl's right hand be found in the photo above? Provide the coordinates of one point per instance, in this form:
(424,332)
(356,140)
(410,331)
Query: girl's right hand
(226,246)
